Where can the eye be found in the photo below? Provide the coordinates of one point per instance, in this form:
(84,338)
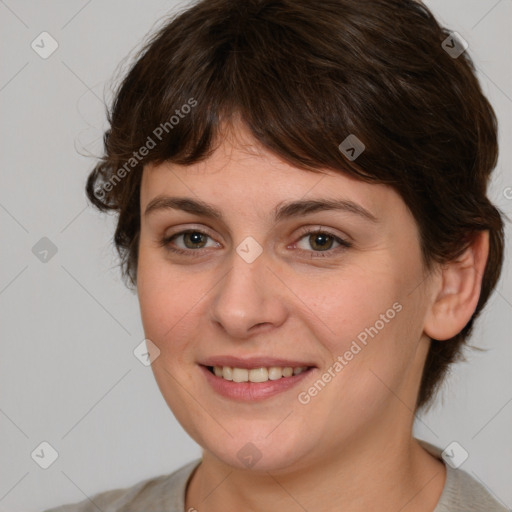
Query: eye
(320,240)
(191,240)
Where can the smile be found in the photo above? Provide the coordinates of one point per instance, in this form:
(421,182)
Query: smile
(255,383)
(255,374)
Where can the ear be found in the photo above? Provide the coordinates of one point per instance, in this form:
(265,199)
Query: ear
(458,290)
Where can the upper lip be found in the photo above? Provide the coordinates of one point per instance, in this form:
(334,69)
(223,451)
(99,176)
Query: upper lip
(253,362)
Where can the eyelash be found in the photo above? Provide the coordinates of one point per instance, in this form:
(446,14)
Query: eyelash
(344,244)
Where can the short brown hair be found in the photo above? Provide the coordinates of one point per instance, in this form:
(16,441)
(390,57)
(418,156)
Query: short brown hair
(303,75)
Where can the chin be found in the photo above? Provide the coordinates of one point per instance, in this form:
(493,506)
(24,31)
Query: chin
(257,451)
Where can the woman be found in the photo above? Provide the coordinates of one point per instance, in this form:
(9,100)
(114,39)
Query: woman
(301,190)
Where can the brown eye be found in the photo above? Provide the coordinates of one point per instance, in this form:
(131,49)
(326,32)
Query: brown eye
(194,239)
(188,242)
(321,241)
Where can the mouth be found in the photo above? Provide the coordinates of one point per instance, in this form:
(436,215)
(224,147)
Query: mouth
(256,375)
(253,380)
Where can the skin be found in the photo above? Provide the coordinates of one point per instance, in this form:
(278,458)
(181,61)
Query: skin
(351,447)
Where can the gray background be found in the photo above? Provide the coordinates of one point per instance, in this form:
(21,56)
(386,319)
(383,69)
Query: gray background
(68,375)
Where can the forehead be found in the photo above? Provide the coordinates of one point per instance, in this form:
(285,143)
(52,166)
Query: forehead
(241,174)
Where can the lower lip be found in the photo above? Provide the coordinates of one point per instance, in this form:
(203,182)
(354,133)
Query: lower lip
(251,391)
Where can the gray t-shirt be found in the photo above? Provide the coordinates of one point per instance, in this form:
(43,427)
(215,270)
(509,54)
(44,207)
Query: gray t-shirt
(166,493)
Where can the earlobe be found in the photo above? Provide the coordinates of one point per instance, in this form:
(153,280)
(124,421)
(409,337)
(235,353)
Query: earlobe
(459,288)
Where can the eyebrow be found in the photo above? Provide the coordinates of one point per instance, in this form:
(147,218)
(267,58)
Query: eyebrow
(282,211)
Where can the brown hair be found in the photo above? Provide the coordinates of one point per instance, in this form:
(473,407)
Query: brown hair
(303,75)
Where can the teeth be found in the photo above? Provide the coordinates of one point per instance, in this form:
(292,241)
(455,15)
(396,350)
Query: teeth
(256,374)
(275,372)
(287,371)
(240,375)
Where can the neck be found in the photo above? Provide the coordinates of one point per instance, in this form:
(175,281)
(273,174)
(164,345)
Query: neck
(376,471)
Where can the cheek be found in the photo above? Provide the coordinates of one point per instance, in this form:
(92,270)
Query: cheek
(349,307)
(368,325)
(166,303)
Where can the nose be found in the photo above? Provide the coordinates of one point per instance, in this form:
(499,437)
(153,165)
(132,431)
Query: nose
(249,298)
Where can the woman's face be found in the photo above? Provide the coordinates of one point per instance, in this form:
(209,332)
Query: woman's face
(254,286)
